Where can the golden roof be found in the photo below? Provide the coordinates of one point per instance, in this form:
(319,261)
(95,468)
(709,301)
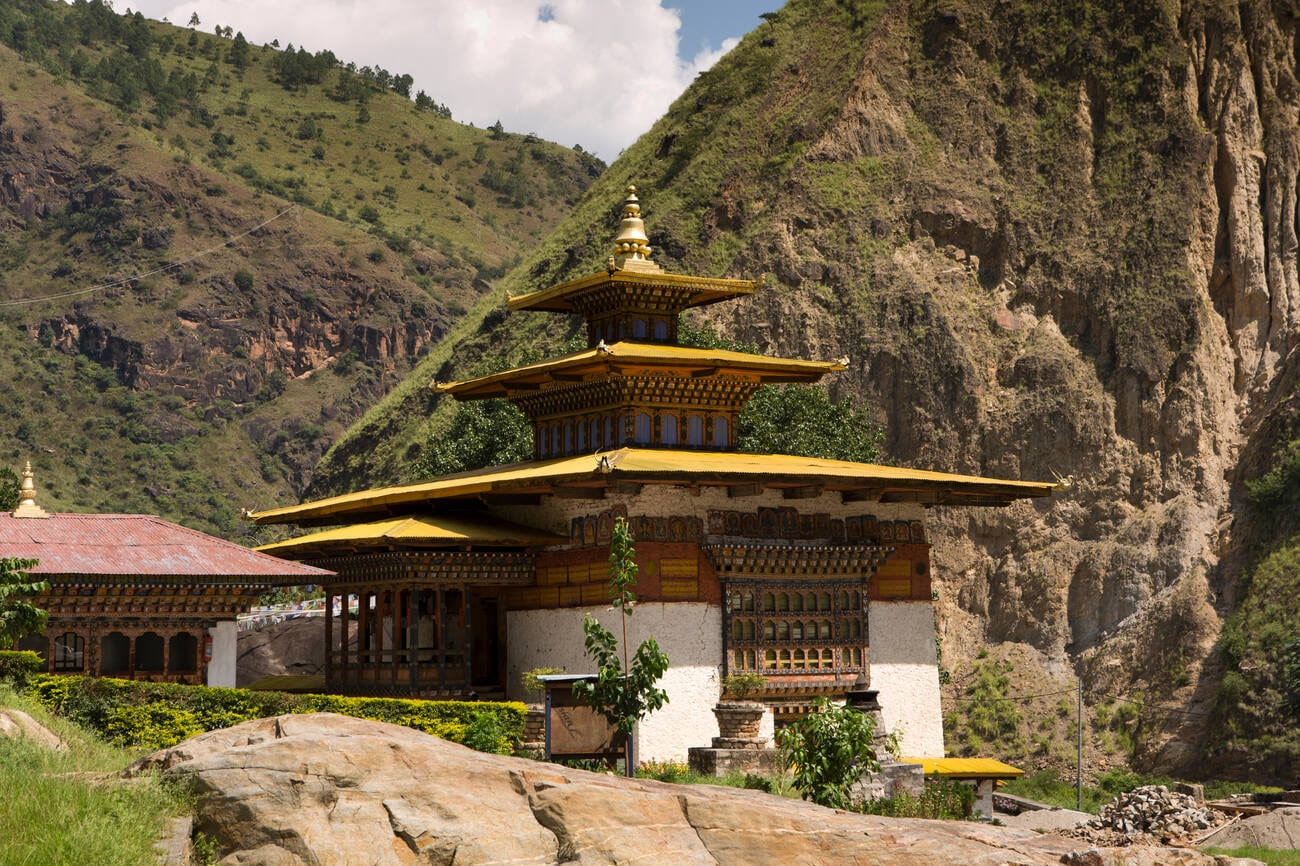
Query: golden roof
(624,358)
(965,768)
(418,530)
(590,474)
(630,266)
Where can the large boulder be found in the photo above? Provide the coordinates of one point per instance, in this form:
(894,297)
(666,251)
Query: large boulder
(324,789)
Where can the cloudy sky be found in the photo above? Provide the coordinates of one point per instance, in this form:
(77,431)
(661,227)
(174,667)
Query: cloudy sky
(592,72)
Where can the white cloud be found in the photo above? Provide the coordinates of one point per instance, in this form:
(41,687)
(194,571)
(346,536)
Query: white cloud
(591,72)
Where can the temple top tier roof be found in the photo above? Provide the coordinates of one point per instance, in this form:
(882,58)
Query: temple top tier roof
(631,281)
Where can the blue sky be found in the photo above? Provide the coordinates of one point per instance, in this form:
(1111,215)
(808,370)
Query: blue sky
(592,72)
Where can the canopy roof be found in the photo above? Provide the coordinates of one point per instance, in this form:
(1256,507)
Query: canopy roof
(416,530)
(691,291)
(588,476)
(138,545)
(966,768)
(628,358)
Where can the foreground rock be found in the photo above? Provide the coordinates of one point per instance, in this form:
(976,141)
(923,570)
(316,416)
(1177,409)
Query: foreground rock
(1278,829)
(15,724)
(326,789)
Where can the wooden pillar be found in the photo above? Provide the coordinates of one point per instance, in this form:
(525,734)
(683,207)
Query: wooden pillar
(329,637)
(439,629)
(167,649)
(130,656)
(395,608)
(413,636)
(363,630)
(466,636)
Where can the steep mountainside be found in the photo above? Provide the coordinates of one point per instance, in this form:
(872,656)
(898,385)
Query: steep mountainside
(215,256)
(1052,238)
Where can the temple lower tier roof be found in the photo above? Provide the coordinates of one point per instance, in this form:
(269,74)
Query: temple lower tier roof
(630,359)
(415,531)
(628,469)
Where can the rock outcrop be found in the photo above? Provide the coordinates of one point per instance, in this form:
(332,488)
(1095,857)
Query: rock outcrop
(326,789)
(15,724)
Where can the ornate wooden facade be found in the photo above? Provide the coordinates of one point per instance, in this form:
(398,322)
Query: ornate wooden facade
(132,595)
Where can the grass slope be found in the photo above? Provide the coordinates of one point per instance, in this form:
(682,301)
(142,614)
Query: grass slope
(67,808)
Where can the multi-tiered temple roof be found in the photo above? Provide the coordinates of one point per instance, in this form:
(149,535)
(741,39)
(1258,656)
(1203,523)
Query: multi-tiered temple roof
(634,385)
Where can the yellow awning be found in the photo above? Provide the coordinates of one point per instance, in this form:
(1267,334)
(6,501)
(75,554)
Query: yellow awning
(666,466)
(965,768)
(418,531)
(650,356)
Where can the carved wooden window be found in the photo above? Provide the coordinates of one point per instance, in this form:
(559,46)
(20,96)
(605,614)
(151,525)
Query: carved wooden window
(778,627)
(661,329)
(582,436)
(69,652)
(668,427)
(641,433)
(694,430)
(720,436)
(638,329)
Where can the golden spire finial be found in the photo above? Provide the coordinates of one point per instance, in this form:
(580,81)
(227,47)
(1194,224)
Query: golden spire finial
(27,506)
(632,246)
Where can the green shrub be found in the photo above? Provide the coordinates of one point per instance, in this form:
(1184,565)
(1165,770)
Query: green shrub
(828,750)
(948,800)
(158,715)
(17,666)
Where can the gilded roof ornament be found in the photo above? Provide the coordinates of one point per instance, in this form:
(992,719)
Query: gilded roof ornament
(27,506)
(632,246)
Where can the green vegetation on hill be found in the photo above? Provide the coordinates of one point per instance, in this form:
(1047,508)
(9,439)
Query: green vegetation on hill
(215,381)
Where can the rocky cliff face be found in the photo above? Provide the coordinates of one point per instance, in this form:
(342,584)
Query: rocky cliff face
(1052,242)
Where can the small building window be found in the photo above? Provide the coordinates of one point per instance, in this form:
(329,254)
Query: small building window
(668,429)
(638,329)
(555,439)
(609,432)
(661,329)
(582,436)
(149,652)
(114,653)
(720,435)
(642,433)
(695,430)
(543,443)
(69,652)
(568,437)
(595,433)
(183,652)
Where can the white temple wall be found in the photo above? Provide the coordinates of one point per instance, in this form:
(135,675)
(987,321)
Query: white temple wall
(225,641)
(691,635)
(905,670)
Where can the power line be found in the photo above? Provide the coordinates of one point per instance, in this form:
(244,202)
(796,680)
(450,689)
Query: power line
(168,267)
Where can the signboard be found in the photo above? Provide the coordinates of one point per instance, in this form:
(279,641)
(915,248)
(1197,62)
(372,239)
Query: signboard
(577,731)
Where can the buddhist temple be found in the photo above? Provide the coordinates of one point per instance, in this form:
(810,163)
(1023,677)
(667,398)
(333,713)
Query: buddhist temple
(808,571)
(136,597)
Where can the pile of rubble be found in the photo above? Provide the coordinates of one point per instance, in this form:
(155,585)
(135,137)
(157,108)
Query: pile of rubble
(1147,813)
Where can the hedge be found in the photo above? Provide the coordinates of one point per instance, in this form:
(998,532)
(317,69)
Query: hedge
(158,715)
(19,666)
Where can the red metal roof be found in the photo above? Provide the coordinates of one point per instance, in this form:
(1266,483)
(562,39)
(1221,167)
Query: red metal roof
(137,544)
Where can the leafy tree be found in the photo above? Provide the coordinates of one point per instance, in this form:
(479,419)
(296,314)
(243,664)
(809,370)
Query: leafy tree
(485,433)
(622,698)
(804,420)
(18,616)
(194,19)
(243,280)
(9,485)
(829,750)
(497,130)
(239,53)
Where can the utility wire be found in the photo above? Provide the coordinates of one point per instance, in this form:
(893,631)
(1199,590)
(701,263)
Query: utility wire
(168,267)
(1117,698)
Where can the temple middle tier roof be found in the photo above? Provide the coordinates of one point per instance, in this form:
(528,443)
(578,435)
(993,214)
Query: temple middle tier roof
(630,359)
